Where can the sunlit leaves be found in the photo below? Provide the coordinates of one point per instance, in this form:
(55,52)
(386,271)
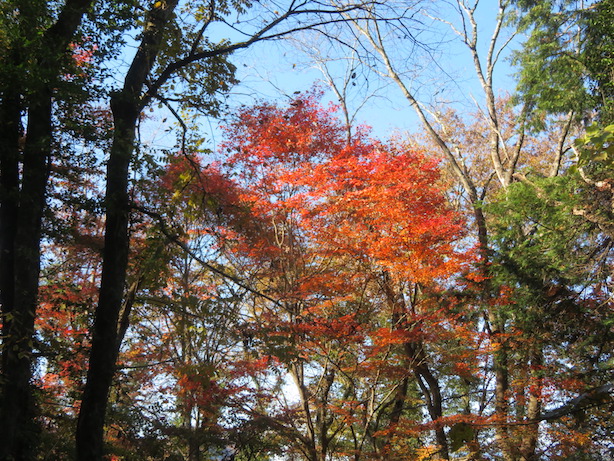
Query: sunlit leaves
(335,231)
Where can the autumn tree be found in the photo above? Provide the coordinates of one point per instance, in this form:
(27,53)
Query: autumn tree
(36,59)
(486,156)
(153,71)
(337,235)
(44,48)
(329,258)
(186,343)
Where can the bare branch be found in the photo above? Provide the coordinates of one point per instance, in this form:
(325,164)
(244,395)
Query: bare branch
(173,238)
(601,395)
(266,33)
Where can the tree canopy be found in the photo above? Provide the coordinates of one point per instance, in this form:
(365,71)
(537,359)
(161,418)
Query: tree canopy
(297,286)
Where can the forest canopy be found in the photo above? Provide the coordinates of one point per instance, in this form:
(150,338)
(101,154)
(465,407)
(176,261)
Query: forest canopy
(293,284)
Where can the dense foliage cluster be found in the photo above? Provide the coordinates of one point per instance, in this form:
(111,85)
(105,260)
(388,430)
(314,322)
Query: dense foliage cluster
(305,291)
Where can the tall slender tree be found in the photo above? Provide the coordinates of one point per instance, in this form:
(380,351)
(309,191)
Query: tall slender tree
(34,57)
(154,68)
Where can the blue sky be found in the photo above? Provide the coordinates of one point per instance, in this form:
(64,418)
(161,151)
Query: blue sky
(271,70)
(275,70)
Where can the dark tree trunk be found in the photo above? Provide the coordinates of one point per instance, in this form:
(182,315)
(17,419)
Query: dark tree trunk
(9,206)
(115,259)
(126,107)
(22,203)
(18,405)
(10,132)
(9,195)
(431,390)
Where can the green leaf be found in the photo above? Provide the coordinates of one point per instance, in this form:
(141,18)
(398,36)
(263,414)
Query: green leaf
(460,434)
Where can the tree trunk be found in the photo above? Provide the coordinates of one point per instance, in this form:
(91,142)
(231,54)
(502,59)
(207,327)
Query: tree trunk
(309,442)
(17,415)
(528,444)
(104,350)
(126,107)
(500,365)
(10,114)
(15,403)
(22,207)
(432,393)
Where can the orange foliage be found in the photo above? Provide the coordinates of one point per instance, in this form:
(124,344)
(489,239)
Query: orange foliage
(337,233)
